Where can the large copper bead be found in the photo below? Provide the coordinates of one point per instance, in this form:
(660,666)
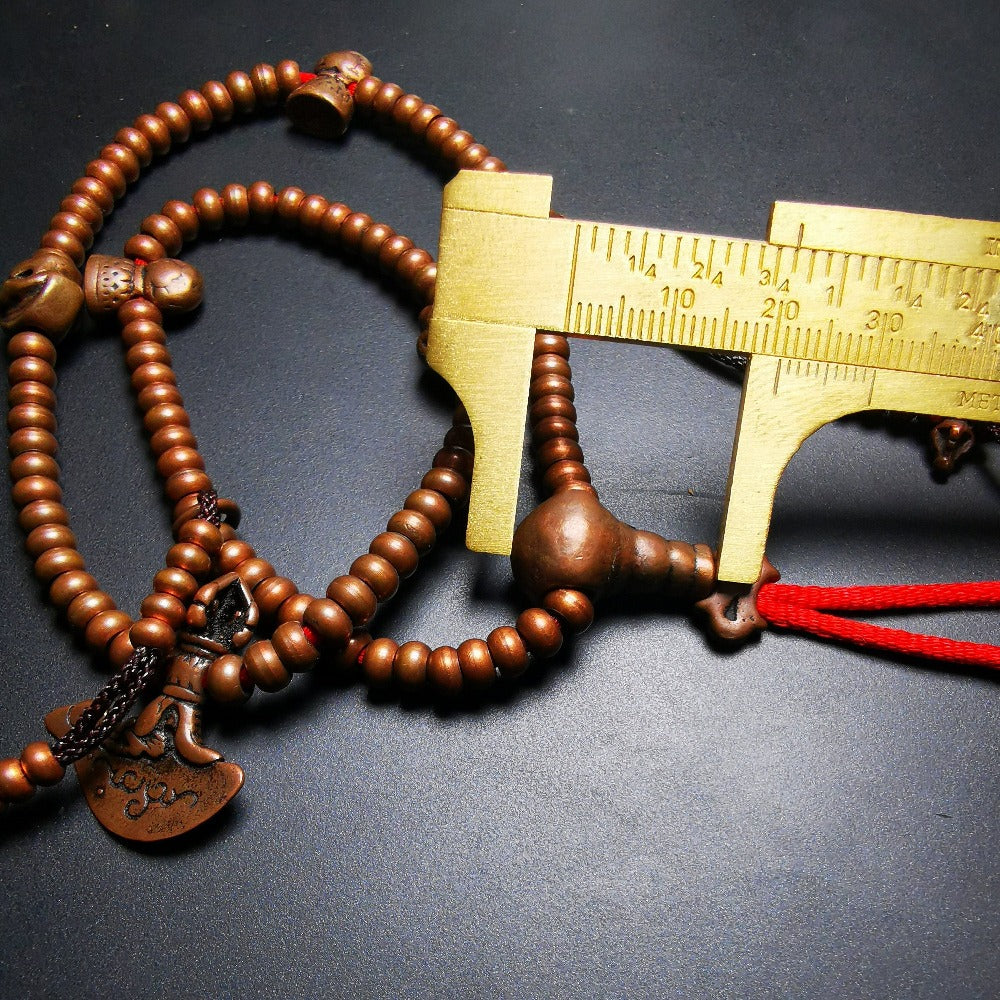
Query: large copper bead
(43,293)
(173,285)
(324,106)
(108,283)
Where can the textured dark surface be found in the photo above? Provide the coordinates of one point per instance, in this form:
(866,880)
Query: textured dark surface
(646,817)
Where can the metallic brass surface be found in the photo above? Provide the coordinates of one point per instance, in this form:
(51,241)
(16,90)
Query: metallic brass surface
(843,310)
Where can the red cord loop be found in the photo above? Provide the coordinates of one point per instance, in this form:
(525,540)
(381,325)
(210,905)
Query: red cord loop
(803,609)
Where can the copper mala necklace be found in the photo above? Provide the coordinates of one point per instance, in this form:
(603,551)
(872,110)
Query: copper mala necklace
(199,631)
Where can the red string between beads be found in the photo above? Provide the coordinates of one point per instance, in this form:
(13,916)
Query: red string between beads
(803,609)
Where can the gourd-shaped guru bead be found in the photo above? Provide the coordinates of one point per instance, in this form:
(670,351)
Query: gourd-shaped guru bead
(324,106)
(172,285)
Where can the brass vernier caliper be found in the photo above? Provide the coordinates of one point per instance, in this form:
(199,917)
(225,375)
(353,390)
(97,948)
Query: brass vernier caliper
(841,310)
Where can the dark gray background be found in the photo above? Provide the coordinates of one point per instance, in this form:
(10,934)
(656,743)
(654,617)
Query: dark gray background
(646,817)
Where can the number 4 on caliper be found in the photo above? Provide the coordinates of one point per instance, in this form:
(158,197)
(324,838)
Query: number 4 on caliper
(842,310)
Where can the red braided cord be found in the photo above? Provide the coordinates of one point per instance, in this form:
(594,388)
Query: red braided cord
(803,609)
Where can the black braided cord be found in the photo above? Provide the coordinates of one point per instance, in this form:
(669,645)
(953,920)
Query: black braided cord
(109,707)
(208,507)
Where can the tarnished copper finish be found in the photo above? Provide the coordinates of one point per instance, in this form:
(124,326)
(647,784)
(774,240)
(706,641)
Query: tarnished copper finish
(109,282)
(156,779)
(42,293)
(950,440)
(730,611)
(324,106)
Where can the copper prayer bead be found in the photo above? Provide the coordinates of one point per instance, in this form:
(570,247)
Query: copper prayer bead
(124,159)
(554,427)
(294,650)
(158,394)
(175,581)
(398,550)
(141,331)
(422,117)
(392,249)
(253,571)
(75,225)
(96,190)
(165,415)
(264,80)
(240,86)
(432,505)
(272,593)
(377,661)
(411,263)
(333,219)
(66,243)
(184,217)
(440,129)
(203,533)
(236,204)
(415,526)
(109,175)
(219,100)
(29,391)
(551,406)
(32,439)
(347,662)
(550,364)
(68,585)
(265,667)
(353,229)
(137,143)
(455,144)
(550,385)
(476,663)
(492,164)
(103,627)
(540,631)
(171,435)
(29,369)
(146,352)
(223,681)
(558,450)
(34,463)
(405,108)
(374,237)
(378,573)
(197,109)
(166,607)
(86,208)
(32,488)
(150,373)
(31,415)
(233,553)
(409,666)
(40,765)
(364,93)
(165,230)
(425,281)
(15,786)
(448,482)
(459,436)
(329,621)
(152,632)
(572,607)
(443,669)
(187,555)
(49,536)
(31,344)
(176,120)
(261,199)
(355,597)
(120,650)
(564,474)
(311,212)
(180,484)
(208,204)
(506,647)
(293,609)
(457,459)
(87,606)
(289,75)
(386,97)
(142,246)
(472,156)
(177,459)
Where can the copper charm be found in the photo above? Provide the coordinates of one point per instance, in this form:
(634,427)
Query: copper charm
(42,293)
(109,282)
(155,779)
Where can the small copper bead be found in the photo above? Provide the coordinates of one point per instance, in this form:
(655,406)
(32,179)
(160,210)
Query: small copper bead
(439,130)
(261,198)
(355,597)
(386,97)
(142,331)
(432,505)
(311,212)
(457,459)
(29,369)
(264,80)
(405,108)
(31,415)
(32,439)
(124,159)
(374,237)
(40,765)
(180,484)
(409,666)
(236,204)
(30,344)
(547,342)
(103,627)
(86,208)
(96,190)
(347,662)
(169,436)
(415,526)
(492,164)
(166,607)
(146,352)
(165,230)
(177,582)
(476,663)
(377,660)
(365,92)
(29,391)
(34,463)
(331,222)
(448,482)
(240,86)
(472,156)
(392,249)
(15,786)
(459,436)
(219,100)
(56,239)
(152,632)
(75,225)
(558,450)
(329,621)
(120,650)
(540,631)
(108,174)
(197,109)
(564,474)
(294,650)
(456,144)
(233,553)
(398,550)
(49,536)
(287,205)
(554,427)
(67,586)
(189,556)
(151,373)
(425,282)
(139,309)
(184,217)
(506,647)
(54,562)
(422,117)
(87,606)
(272,593)
(550,385)
(551,406)
(222,679)
(293,609)
(158,394)
(208,204)
(444,670)
(550,364)
(411,263)
(137,143)
(176,120)
(378,573)
(142,246)
(164,415)
(289,76)
(265,667)
(32,488)
(353,229)
(177,459)
(254,571)
(202,533)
